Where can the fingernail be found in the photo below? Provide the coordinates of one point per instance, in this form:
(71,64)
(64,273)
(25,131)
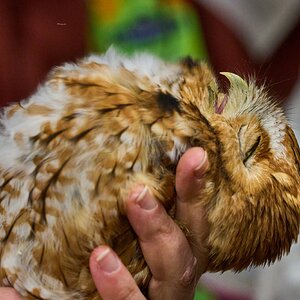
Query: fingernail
(144,199)
(107,261)
(202,167)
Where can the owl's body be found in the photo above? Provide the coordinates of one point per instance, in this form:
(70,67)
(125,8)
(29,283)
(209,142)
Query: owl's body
(70,154)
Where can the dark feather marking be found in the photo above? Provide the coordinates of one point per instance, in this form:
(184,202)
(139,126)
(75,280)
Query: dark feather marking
(81,135)
(195,110)
(168,103)
(71,82)
(33,295)
(297,162)
(66,238)
(189,62)
(9,282)
(2,198)
(156,159)
(13,224)
(135,159)
(114,169)
(103,218)
(221,161)
(117,106)
(118,134)
(7,181)
(106,110)
(37,168)
(34,138)
(32,232)
(71,117)
(118,113)
(152,123)
(44,192)
(96,190)
(274,178)
(51,137)
(63,276)
(42,256)
(29,200)
(20,105)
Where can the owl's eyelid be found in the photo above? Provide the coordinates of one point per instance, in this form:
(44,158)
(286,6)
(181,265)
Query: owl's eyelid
(252,150)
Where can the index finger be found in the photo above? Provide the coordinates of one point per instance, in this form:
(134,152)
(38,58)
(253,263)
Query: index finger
(189,184)
(111,278)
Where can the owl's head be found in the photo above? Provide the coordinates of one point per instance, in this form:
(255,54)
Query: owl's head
(252,191)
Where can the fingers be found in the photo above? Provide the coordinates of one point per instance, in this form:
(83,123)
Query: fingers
(175,263)
(112,279)
(189,183)
(171,259)
(189,174)
(164,247)
(9,294)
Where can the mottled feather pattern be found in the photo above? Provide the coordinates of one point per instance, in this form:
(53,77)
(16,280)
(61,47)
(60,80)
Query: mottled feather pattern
(72,152)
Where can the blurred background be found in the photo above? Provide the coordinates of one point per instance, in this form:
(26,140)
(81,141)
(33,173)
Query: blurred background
(260,38)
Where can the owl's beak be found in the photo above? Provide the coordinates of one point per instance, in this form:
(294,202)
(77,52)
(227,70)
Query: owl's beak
(235,81)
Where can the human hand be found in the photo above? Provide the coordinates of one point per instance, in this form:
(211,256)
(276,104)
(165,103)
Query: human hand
(9,294)
(157,232)
(176,263)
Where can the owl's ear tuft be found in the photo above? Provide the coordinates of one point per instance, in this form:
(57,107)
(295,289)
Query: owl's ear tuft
(189,62)
(168,103)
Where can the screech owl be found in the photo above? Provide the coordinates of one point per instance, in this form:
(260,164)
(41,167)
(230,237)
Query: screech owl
(71,152)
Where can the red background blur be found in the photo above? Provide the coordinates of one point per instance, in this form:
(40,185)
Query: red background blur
(38,34)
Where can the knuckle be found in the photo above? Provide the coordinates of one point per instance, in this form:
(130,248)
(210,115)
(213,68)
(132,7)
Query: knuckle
(189,276)
(159,229)
(166,229)
(128,293)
